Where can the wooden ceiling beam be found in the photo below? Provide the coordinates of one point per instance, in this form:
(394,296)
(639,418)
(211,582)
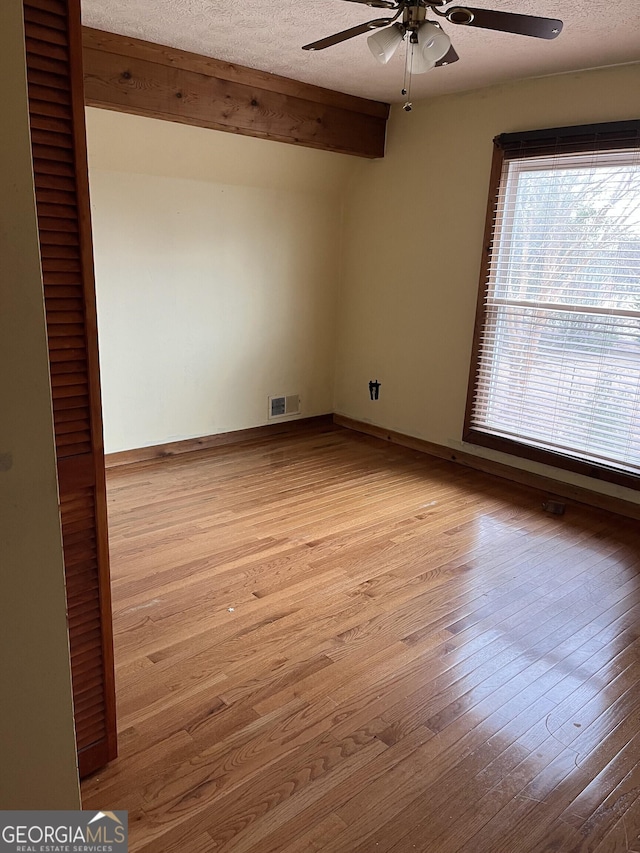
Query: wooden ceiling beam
(139,77)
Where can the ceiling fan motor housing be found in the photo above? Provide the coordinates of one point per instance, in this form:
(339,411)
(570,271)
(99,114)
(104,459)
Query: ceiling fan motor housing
(413,16)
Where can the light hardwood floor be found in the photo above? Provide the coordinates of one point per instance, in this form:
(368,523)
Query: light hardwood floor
(326,642)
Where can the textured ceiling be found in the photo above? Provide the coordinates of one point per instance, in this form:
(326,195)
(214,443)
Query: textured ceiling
(268,35)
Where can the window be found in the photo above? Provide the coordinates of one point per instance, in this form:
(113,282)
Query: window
(556,362)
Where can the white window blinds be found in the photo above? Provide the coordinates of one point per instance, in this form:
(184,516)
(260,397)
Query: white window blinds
(558,356)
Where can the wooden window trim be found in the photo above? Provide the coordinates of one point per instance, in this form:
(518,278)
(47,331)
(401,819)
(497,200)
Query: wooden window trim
(511,146)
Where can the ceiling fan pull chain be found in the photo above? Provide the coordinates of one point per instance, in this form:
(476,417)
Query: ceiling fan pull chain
(406,68)
(408,74)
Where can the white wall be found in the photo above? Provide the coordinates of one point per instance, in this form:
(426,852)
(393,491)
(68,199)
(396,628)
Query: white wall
(217,265)
(413,237)
(37,753)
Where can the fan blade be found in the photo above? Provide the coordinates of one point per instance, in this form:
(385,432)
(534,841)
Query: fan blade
(377,4)
(506,22)
(449,57)
(348,34)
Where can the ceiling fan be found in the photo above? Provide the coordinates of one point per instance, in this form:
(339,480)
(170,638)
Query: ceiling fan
(428,44)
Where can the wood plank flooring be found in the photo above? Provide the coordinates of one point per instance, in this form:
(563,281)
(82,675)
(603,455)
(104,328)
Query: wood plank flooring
(328,643)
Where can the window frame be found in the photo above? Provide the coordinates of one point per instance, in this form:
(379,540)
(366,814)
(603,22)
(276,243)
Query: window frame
(519,146)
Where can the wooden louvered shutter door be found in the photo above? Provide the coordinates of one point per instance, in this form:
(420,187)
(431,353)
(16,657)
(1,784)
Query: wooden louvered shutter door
(56,106)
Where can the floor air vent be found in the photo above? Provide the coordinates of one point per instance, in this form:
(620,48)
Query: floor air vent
(286,405)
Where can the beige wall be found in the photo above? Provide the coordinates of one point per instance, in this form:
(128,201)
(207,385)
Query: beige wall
(218,259)
(412,242)
(217,263)
(37,757)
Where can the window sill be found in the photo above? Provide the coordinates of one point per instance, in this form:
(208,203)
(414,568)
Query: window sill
(556,460)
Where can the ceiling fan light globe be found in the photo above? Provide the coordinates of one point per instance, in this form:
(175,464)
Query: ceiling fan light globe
(419,63)
(434,43)
(384,43)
